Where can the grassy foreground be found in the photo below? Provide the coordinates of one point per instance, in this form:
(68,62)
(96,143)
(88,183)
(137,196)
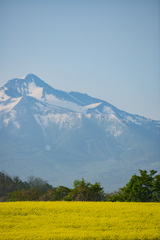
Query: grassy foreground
(79,220)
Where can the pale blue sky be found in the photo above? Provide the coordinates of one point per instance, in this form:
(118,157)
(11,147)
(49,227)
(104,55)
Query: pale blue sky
(109,49)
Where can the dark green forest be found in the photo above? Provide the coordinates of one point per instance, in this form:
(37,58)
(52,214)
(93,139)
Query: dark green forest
(143,188)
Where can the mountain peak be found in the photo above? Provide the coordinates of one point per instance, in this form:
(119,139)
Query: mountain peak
(25,85)
(30,75)
(31,78)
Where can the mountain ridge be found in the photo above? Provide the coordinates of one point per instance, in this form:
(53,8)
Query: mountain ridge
(45,129)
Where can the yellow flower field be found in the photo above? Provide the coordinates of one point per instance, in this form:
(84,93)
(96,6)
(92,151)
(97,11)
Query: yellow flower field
(79,220)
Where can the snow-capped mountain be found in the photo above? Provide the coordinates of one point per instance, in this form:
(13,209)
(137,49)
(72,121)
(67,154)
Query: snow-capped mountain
(63,136)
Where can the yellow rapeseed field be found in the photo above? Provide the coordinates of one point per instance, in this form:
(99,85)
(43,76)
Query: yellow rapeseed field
(79,220)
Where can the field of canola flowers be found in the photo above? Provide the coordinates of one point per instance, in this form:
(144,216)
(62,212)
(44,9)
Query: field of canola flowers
(79,220)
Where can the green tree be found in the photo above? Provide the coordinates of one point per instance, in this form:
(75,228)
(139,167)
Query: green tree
(6,184)
(9,184)
(25,195)
(15,185)
(38,183)
(56,194)
(85,191)
(143,188)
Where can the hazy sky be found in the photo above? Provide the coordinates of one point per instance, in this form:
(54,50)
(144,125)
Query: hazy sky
(109,49)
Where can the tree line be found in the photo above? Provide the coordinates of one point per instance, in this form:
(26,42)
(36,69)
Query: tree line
(143,188)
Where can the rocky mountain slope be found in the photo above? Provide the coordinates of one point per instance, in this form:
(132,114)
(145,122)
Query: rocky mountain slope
(63,136)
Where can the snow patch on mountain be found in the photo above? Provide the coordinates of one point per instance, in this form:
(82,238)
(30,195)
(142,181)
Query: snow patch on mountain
(108,110)
(137,120)
(79,115)
(138,123)
(42,121)
(107,117)
(34,91)
(50,99)
(6,121)
(41,107)
(8,107)
(12,117)
(88,115)
(112,117)
(17,124)
(24,77)
(65,120)
(3,97)
(94,105)
(61,119)
(112,130)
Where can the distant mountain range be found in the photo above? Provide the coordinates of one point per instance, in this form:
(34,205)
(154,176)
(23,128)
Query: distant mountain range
(61,136)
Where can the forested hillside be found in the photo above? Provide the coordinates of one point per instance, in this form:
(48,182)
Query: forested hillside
(143,188)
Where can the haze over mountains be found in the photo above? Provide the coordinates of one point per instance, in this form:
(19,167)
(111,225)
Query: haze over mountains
(61,136)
